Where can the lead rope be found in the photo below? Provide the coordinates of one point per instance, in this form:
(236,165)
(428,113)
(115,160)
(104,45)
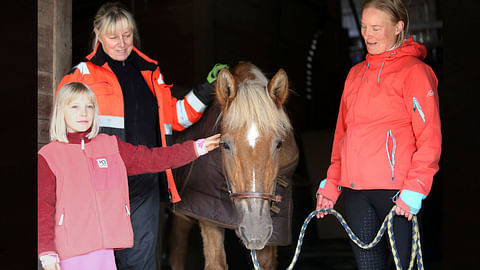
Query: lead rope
(386,225)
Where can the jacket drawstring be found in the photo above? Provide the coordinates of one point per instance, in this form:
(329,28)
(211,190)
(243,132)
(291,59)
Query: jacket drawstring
(378,77)
(365,71)
(83,144)
(381,68)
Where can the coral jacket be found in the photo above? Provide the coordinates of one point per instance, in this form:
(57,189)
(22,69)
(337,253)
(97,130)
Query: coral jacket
(388,128)
(174,114)
(83,202)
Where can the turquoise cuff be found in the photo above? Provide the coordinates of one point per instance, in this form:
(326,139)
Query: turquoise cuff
(322,183)
(413,200)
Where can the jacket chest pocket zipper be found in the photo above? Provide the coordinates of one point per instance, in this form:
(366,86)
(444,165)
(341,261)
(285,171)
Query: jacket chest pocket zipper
(416,107)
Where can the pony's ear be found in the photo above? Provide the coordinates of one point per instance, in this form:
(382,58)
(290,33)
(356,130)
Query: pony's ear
(225,88)
(278,87)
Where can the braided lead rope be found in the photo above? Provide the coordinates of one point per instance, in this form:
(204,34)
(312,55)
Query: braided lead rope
(387,224)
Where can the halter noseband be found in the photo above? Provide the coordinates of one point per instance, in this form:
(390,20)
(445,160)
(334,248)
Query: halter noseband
(260,195)
(266,196)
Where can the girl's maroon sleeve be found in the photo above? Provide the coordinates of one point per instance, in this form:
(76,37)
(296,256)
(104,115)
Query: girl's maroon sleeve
(140,159)
(46,207)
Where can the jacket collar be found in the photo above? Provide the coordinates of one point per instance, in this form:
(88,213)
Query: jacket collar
(138,59)
(76,137)
(408,48)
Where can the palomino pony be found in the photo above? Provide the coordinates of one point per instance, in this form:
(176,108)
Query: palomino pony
(246,185)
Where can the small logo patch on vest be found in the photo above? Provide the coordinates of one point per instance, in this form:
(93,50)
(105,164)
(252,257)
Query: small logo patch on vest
(102,163)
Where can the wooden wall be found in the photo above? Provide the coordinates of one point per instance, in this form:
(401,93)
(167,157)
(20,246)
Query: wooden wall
(54,53)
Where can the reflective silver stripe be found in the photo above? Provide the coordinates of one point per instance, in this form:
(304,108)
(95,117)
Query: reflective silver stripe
(182,114)
(196,104)
(168,129)
(160,79)
(110,121)
(83,68)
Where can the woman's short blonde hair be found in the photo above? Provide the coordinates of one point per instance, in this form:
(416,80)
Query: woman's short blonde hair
(398,12)
(113,16)
(68,92)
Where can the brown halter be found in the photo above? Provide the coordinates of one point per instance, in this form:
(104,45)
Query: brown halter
(260,195)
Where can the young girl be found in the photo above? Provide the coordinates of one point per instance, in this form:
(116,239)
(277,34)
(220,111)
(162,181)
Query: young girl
(83,203)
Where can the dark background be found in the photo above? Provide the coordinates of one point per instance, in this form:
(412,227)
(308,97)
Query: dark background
(271,34)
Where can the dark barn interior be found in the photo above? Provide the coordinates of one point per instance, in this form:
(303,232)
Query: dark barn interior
(316,42)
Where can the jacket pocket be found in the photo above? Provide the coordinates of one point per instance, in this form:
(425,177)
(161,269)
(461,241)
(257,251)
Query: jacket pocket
(61,233)
(417,108)
(391,152)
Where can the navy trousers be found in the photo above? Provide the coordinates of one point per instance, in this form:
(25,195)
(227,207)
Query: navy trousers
(144,215)
(365,210)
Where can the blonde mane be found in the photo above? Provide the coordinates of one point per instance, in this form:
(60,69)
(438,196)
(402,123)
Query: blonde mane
(252,104)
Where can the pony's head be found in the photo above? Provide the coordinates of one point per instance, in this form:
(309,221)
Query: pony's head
(254,131)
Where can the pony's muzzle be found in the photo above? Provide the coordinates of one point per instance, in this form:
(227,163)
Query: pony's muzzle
(256,238)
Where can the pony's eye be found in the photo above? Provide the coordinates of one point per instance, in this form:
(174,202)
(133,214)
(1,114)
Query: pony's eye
(279,145)
(226,146)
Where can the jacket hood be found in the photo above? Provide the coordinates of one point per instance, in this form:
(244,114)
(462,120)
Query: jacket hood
(408,48)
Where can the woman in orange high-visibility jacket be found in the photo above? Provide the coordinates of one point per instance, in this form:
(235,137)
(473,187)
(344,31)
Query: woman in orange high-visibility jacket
(387,140)
(136,104)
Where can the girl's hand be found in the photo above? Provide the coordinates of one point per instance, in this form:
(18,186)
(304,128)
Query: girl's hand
(212,142)
(402,212)
(50,261)
(323,202)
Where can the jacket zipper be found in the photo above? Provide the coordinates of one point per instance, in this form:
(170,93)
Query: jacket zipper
(391,158)
(92,176)
(416,107)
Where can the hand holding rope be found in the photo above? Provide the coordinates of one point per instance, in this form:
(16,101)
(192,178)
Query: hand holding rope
(387,224)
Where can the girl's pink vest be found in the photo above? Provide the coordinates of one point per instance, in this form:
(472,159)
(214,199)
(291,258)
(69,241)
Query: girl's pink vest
(92,204)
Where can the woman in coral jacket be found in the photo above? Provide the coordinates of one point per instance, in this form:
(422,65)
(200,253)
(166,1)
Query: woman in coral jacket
(136,104)
(387,140)
(83,203)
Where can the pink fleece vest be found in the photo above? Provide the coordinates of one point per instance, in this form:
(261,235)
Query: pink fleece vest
(92,205)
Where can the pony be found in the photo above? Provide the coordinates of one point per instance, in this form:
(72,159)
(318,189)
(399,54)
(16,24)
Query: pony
(246,184)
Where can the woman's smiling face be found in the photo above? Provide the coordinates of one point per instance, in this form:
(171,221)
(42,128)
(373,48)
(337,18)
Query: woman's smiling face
(118,45)
(378,30)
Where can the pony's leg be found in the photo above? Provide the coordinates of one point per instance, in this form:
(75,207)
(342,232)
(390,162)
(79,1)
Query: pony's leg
(181,227)
(213,249)
(267,258)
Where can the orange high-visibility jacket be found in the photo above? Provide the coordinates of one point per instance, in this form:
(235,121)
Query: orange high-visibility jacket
(388,128)
(174,114)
